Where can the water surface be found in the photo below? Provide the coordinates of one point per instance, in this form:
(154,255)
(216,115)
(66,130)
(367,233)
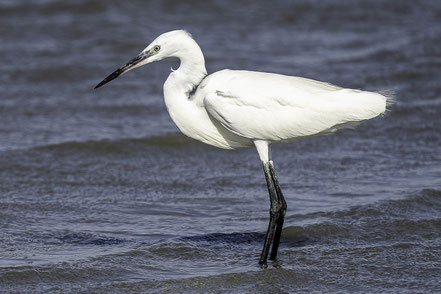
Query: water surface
(100,193)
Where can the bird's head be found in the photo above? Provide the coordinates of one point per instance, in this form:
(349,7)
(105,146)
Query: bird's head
(166,45)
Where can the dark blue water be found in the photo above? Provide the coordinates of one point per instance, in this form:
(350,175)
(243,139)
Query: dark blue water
(100,193)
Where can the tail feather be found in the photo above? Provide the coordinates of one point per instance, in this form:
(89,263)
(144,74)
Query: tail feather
(390,97)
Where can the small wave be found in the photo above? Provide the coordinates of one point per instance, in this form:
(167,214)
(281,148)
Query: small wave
(297,236)
(414,219)
(50,7)
(78,238)
(292,237)
(231,238)
(121,145)
(420,204)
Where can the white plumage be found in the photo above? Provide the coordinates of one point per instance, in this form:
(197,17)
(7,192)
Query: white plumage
(236,108)
(272,107)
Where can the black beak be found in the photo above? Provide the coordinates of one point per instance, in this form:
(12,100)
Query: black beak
(125,68)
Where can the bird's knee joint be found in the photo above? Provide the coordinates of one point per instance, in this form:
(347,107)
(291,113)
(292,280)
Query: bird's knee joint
(275,210)
(283,207)
(274,213)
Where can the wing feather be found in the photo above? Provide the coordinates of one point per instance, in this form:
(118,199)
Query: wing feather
(275,107)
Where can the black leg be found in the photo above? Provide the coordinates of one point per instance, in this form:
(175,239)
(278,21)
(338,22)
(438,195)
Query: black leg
(274,214)
(281,213)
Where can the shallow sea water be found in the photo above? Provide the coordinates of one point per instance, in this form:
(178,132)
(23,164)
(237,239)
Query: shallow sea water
(100,193)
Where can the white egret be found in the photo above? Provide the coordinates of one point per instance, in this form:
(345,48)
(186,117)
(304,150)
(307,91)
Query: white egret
(236,108)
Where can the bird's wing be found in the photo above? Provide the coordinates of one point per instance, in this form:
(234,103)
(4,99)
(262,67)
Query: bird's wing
(276,107)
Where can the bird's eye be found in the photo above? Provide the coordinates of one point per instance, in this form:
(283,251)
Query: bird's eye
(156,48)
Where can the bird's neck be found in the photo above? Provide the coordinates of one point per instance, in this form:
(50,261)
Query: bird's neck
(181,82)
(191,70)
(180,85)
